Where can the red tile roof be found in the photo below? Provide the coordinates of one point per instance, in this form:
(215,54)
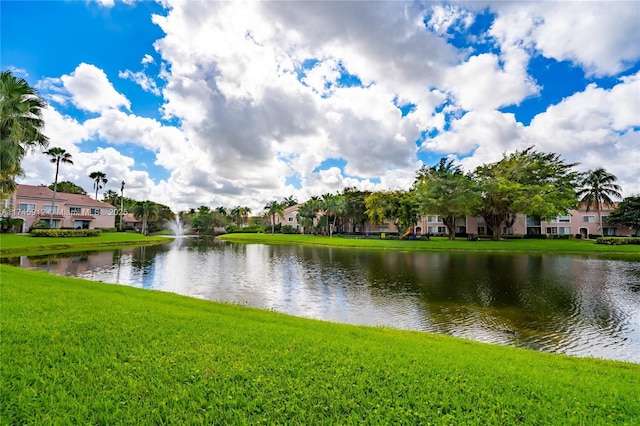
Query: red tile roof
(42,192)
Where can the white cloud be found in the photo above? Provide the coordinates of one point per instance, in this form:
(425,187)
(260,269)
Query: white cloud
(141,79)
(90,90)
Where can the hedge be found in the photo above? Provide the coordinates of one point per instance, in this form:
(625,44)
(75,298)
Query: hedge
(61,233)
(616,241)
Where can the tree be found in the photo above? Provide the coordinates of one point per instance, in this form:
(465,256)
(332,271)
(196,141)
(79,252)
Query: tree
(444,190)
(99,180)
(58,155)
(69,187)
(627,213)
(111,197)
(274,208)
(21,125)
(307,213)
(355,211)
(240,215)
(333,206)
(527,181)
(399,207)
(145,211)
(597,189)
(289,201)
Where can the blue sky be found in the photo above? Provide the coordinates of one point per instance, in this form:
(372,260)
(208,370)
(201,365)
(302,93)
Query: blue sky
(220,103)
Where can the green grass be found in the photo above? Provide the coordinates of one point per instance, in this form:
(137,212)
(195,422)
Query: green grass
(80,352)
(442,243)
(18,245)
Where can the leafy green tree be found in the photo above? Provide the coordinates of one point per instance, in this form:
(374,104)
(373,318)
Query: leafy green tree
(111,197)
(444,190)
(289,201)
(597,189)
(240,215)
(333,206)
(58,155)
(627,213)
(145,211)
(400,207)
(527,181)
(355,207)
(99,180)
(274,208)
(307,213)
(69,187)
(21,125)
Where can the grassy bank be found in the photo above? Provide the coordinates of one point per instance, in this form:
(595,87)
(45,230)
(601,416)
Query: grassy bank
(19,245)
(442,243)
(79,352)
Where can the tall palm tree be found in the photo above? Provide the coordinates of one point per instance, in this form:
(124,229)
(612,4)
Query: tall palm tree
(333,206)
(274,208)
(99,180)
(21,126)
(58,155)
(597,189)
(145,211)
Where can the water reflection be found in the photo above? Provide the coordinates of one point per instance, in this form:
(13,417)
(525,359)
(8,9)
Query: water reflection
(564,304)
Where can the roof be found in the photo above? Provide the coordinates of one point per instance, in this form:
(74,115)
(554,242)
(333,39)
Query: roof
(129,218)
(42,192)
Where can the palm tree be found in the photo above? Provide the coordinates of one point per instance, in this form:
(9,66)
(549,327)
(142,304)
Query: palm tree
(20,126)
(333,206)
(274,208)
(597,189)
(58,155)
(99,180)
(145,211)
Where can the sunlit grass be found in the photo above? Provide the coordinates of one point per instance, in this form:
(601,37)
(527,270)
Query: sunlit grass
(15,245)
(442,243)
(79,352)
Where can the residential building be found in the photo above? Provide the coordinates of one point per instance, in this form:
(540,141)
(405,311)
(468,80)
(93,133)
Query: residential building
(33,204)
(576,222)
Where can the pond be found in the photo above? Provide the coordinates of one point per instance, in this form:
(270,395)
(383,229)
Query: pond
(576,305)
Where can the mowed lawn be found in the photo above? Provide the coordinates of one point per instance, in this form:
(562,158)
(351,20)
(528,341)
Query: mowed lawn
(80,352)
(569,246)
(16,245)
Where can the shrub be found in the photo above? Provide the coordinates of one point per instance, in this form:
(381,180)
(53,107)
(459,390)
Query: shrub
(616,241)
(288,229)
(39,225)
(536,236)
(63,233)
(513,237)
(108,230)
(247,230)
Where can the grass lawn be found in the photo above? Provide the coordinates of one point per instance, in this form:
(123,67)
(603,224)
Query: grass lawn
(442,243)
(17,245)
(80,352)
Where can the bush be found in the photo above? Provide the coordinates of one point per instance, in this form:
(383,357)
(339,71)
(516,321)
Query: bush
(594,236)
(536,236)
(108,230)
(39,225)
(247,230)
(616,241)
(513,237)
(288,229)
(63,233)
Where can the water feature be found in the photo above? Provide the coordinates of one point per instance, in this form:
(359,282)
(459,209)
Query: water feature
(176,226)
(556,303)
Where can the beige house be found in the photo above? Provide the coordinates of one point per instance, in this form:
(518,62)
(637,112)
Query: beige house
(575,222)
(33,204)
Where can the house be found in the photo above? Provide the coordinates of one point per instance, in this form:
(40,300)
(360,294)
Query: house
(32,204)
(579,222)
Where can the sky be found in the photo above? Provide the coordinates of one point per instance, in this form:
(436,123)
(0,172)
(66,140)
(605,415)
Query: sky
(240,103)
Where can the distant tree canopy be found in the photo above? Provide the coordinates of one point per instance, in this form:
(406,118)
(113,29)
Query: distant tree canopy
(69,187)
(399,207)
(627,213)
(527,181)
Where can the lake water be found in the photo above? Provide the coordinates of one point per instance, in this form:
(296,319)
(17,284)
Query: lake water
(574,305)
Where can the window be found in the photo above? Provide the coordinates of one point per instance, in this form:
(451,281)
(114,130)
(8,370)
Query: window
(507,230)
(383,229)
(533,221)
(589,219)
(433,219)
(442,229)
(75,210)
(47,209)
(552,230)
(563,219)
(481,230)
(564,230)
(480,219)
(604,219)
(290,219)
(95,211)
(24,207)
